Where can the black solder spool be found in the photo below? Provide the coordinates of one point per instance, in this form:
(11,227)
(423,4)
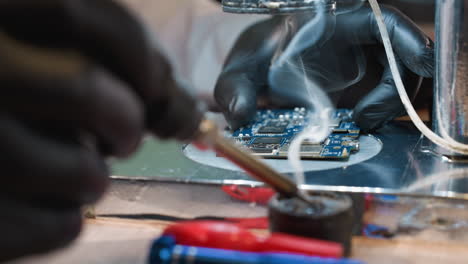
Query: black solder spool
(331,220)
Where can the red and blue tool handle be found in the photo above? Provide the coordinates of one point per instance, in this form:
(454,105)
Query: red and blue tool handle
(166,251)
(224,235)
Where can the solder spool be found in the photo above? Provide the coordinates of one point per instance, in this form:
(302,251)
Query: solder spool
(329,217)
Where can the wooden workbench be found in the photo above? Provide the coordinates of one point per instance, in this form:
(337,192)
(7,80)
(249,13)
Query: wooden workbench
(112,240)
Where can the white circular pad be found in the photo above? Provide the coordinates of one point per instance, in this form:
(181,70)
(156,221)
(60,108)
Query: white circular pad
(369,147)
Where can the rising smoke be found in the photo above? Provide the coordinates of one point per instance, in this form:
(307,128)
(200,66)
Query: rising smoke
(297,73)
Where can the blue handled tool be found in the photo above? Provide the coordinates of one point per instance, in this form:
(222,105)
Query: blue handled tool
(165,251)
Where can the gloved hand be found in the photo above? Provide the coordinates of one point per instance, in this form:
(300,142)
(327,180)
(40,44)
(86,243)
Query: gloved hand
(80,81)
(347,52)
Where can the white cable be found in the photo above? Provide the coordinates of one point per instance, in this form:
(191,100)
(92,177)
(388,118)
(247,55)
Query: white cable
(451,144)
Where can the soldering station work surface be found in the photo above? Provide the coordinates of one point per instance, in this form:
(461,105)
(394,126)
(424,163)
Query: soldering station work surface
(271,133)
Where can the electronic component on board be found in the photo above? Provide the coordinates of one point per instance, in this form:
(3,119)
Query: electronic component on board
(272,131)
(273,127)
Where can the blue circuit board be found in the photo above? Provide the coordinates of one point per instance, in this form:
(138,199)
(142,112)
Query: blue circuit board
(271,132)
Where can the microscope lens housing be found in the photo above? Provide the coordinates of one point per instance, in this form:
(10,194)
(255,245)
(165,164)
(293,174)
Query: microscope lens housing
(274,6)
(286,6)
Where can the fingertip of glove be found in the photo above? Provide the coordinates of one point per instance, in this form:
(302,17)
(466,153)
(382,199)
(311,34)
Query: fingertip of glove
(422,60)
(371,120)
(72,227)
(425,62)
(234,124)
(368,126)
(57,232)
(240,111)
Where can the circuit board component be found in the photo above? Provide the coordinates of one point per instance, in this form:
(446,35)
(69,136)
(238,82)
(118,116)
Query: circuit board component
(271,132)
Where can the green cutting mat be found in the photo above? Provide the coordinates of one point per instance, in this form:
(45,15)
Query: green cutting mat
(164,159)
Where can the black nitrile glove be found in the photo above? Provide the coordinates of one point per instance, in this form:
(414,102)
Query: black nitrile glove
(80,81)
(347,53)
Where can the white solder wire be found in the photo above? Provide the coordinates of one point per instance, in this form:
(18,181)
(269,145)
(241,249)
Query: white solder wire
(446,143)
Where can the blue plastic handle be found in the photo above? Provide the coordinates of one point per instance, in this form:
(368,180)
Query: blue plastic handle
(166,251)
